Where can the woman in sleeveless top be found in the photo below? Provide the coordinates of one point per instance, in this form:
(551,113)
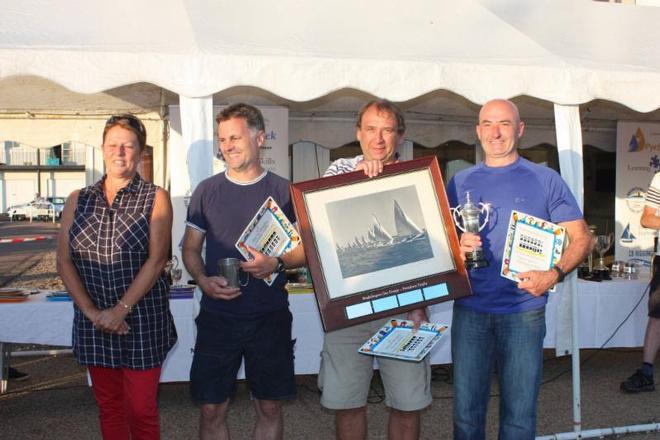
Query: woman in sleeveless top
(113,246)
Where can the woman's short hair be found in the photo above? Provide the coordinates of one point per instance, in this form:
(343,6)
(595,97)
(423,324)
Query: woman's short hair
(129,122)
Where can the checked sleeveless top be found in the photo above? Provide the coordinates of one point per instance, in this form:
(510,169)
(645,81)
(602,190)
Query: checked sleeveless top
(109,245)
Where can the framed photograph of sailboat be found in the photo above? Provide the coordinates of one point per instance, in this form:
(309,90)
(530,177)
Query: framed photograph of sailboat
(380,246)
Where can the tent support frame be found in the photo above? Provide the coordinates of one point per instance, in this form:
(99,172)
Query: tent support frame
(569,144)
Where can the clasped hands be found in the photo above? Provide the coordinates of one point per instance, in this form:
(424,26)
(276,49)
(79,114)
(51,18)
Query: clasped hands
(112,320)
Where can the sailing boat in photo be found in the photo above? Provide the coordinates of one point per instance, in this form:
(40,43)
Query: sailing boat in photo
(379,232)
(375,248)
(380,249)
(405,228)
(378,236)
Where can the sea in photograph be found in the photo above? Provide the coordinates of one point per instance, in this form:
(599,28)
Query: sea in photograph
(361,260)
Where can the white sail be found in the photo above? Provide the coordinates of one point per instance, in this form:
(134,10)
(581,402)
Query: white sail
(404,226)
(380,232)
(371,235)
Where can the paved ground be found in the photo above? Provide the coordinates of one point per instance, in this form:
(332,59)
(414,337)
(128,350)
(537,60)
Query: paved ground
(27,228)
(18,258)
(56,403)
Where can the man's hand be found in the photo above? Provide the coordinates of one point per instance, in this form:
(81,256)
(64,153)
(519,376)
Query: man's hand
(261,265)
(418,316)
(371,168)
(216,288)
(537,282)
(468,242)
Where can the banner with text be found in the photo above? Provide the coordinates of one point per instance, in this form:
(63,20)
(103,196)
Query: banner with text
(637,160)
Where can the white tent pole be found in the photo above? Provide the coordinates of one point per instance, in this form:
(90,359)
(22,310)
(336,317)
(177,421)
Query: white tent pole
(569,146)
(197,125)
(190,166)
(89,165)
(575,357)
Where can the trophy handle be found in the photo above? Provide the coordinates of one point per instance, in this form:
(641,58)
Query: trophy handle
(610,240)
(457,218)
(484,207)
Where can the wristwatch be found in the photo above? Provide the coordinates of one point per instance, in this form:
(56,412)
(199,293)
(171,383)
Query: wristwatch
(560,272)
(280,265)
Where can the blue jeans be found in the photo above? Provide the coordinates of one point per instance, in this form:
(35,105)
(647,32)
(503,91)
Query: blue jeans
(513,342)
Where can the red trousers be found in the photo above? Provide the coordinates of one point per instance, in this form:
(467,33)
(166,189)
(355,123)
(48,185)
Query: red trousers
(127,401)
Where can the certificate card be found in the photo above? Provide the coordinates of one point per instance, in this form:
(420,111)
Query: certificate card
(397,340)
(269,232)
(531,244)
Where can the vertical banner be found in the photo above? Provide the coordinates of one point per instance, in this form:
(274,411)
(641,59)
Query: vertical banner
(275,151)
(637,160)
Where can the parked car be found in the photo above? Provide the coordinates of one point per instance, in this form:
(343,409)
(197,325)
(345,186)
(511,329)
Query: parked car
(58,202)
(36,209)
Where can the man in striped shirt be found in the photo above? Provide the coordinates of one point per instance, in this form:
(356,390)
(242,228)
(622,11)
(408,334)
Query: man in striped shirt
(642,379)
(345,374)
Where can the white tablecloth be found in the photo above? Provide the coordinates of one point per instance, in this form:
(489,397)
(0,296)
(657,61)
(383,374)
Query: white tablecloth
(38,321)
(602,307)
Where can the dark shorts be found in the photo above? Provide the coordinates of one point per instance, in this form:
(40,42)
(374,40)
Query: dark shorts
(654,290)
(222,342)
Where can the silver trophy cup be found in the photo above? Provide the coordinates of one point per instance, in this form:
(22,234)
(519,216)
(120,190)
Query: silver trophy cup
(603,244)
(468,219)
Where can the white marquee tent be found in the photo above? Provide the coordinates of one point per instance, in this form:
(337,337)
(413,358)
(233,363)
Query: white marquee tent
(559,54)
(300,51)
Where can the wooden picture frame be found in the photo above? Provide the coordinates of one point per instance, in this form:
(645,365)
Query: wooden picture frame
(379,246)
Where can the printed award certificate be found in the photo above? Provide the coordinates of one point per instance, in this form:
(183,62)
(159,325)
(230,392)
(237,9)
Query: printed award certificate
(531,244)
(269,232)
(397,340)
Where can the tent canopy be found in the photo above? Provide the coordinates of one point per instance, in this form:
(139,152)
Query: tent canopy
(329,121)
(300,50)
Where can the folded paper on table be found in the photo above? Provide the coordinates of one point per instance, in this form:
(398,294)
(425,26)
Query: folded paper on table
(9,294)
(58,295)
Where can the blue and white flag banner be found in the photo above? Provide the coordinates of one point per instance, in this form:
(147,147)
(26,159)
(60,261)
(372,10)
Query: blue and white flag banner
(637,160)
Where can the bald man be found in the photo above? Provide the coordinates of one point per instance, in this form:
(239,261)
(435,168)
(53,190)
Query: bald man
(503,322)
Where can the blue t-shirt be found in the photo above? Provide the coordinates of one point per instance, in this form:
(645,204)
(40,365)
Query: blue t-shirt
(222,208)
(522,186)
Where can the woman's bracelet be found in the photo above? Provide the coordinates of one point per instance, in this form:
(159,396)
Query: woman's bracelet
(126,306)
